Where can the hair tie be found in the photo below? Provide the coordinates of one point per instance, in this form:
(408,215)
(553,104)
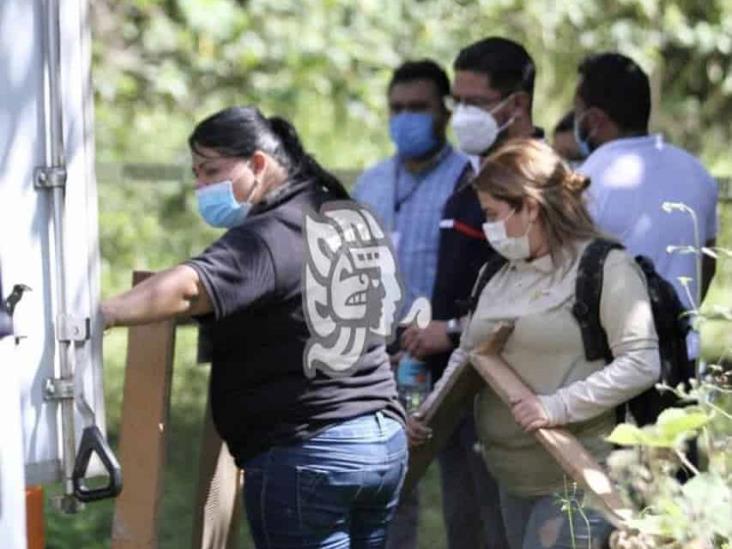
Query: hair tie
(576,182)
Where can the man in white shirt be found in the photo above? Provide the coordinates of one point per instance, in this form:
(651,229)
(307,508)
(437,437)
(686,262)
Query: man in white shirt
(657,199)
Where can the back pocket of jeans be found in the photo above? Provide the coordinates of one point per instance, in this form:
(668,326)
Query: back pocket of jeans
(317,500)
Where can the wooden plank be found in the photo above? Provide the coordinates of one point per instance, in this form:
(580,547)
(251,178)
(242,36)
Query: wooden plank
(218,496)
(454,399)
(143,432)
(444,408)
(574,459)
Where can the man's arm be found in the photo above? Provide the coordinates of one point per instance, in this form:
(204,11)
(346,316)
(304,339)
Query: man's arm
(174,292)
(462,251)
(709,267)
(431,340)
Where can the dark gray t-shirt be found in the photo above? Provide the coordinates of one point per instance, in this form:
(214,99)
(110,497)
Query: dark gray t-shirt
(259,392)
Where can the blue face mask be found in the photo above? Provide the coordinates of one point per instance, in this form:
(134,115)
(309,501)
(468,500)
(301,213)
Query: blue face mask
(413,133)
(218,206)
(582,144)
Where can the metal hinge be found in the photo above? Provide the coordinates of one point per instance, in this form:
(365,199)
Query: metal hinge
(70,328)
(58,388)
(48,177)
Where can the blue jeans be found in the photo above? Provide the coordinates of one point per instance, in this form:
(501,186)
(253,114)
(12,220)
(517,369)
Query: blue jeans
(541,523)
(336,490)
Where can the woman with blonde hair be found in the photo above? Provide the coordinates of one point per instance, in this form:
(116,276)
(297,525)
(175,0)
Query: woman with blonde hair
(537,220)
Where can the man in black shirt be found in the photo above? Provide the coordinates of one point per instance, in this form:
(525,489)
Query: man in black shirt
(492,101)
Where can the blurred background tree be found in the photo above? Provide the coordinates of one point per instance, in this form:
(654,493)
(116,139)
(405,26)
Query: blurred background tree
(160,65)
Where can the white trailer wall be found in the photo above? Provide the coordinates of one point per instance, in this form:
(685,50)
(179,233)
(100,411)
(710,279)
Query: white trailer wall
(26,232)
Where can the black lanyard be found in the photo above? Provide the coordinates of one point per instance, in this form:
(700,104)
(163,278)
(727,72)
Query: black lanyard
(400,200)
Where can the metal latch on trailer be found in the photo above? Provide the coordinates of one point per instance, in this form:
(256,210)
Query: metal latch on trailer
(48,177)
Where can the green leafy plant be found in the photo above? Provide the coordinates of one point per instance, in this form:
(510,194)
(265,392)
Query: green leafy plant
(568,501)
(668,513)
(699,511)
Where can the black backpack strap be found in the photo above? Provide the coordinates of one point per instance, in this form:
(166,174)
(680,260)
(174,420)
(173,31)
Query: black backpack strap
(466,177)
(588,290)
(487,271)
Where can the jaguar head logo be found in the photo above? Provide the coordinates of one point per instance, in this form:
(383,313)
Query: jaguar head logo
(352,290)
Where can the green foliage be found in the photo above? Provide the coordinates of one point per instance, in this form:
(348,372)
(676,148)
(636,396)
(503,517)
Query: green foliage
(147,226)
(159,65)
(674,425)
(699,509)
(670,514)
(697,513)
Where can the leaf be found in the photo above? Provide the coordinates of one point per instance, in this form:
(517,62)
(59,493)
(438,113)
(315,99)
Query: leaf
(675,422)
(626,434)
(673,425)
(719,311)
(650,524)
(711,499)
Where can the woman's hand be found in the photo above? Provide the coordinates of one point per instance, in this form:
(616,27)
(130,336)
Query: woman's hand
(529,413)
(417,432)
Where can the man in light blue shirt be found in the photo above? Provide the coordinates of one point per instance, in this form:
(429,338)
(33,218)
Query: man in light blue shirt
(657,199)
(407,192)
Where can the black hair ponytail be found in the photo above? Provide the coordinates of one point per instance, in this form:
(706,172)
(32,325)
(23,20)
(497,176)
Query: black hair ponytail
(301,162)
(240,131)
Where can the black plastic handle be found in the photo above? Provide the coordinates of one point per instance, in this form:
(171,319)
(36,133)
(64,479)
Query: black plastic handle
(6,322)
(92,441)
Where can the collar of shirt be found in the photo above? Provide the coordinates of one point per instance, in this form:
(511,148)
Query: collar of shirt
(282,194)
(524,288)
(654,140)
(407,182)
(543,264)
(431,165)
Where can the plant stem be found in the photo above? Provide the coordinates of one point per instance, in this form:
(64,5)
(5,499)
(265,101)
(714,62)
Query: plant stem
(686,462)
(568,501)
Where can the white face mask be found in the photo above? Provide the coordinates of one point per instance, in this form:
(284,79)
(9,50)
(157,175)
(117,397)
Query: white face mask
(476,129)
(513,248)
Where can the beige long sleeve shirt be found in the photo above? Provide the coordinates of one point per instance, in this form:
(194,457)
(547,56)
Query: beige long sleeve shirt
(546,351)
